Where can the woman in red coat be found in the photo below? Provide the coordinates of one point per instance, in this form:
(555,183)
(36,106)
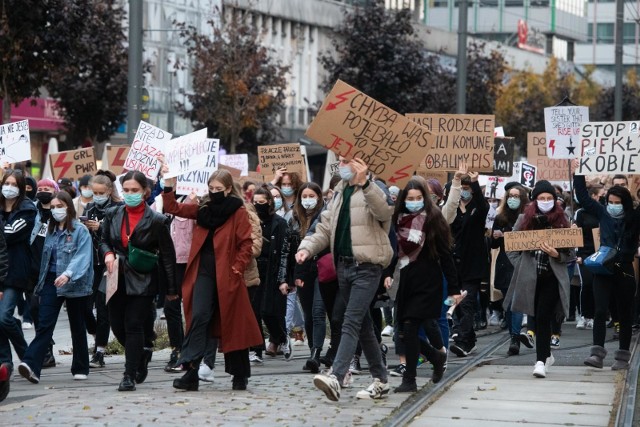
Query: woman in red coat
(216,301)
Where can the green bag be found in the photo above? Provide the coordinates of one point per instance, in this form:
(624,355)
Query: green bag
(142,261)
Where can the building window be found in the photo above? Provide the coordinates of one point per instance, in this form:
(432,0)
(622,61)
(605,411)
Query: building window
(629,32)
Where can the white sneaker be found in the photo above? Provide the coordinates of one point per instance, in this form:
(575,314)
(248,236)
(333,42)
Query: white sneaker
(254,358)
(377,390)
(494,319)
(27,325)
(79,377)
(581,323)
(550,361)
(298,342)
(328,384)
(589,323)
(205,373)
(26,372)
(387,331)
(539,371)
(287,349)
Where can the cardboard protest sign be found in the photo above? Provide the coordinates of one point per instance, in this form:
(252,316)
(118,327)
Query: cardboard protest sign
(442,177)
(197,180)
(503,150)
(549,169)
(187,153)
(458,137)
(596,237)
(235,173)
(15,142)
(609,148)
(116,156)
(274,157)
(352,124)
(494,187)
(532,239)
(73,164)
(148,144)
(562,128)
(236,161)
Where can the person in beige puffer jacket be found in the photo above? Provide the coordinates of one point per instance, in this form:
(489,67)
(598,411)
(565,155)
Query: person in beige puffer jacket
(251,275)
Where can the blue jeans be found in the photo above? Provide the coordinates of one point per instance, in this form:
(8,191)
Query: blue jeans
(358,284)
(293,318)
(50,305)
(443,322)
(10,330)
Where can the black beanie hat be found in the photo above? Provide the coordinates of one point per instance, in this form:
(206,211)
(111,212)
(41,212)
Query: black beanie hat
(543,186)
(85,180)
(509,185)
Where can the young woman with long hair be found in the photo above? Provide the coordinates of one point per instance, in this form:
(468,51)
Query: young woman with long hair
(540,283)
(424,257)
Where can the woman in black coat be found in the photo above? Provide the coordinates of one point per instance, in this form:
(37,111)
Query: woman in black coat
(424,256)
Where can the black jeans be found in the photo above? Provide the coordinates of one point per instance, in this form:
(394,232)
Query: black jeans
(622,286)
(409,335)
(466,313)
(128,314)
(255,296)
(102,326)
(587,303)
(173,312)
(335,310)
(546,302)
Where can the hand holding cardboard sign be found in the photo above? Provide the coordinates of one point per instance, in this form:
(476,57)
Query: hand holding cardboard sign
(462,170)
(473,176)
(360,168)
(552,252)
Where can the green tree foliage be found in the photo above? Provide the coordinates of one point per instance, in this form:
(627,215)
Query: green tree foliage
(376,51)
(603,110)
(238,88)
(89,82)
(485,75)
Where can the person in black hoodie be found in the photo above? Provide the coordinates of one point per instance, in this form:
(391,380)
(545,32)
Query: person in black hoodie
(471,257)
(18,215)
(5,369)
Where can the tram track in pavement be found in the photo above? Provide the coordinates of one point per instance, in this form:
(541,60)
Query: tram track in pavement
(628,413)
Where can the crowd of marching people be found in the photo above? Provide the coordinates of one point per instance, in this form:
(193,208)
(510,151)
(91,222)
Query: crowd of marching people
(259,270)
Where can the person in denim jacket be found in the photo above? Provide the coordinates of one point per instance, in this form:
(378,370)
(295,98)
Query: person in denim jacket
(66,274)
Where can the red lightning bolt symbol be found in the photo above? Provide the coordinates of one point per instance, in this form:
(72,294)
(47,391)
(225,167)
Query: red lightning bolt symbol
(399,174)
(64,166)
(552,145)
(342,97)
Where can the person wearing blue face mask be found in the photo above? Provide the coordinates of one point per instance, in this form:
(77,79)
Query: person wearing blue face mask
(619,228)
(289,183)
(104,197)
(85,197)
(125,231)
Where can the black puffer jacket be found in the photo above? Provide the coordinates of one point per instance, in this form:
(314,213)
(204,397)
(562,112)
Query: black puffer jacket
(150,234)
(17,233)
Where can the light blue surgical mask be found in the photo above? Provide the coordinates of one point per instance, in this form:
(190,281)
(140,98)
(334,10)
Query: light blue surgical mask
(161,183)
(59,214)
(309,202)
(414,206)
(100,200)
(345,172)
(513,203)
(277,203)
(465,195)
(87,194)
(10,192)
(616,211)
(133,199)
(287,191)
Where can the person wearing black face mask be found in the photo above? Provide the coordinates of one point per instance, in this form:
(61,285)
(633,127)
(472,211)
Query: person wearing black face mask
(31,187)
(269,300)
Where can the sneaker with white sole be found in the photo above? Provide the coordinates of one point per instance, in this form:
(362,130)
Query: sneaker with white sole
(539,370)
(581,323)
(555,341)
(550,361)
(377,390)
(254,358)
(589,324)
(398,371)
(387,331)
(329,385)
(79,377)
(354,366)
(205,373)
(527,339)
(287,349)
(26,371)
(494,319)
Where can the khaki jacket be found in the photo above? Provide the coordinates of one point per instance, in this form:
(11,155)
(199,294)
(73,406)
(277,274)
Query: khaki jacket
(370,222)
(251,275)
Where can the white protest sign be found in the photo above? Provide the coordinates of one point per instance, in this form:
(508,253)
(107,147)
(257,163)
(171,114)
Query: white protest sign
(186,153)
(609,148)
(237,161)
(15,142)
(494,186)
(147,145)
(197,180)
(562,126)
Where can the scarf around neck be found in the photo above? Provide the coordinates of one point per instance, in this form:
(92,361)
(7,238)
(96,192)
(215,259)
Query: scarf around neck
(214,215)
(411,236)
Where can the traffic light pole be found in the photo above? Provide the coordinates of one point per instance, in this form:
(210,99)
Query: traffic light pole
(134,88)
(461,80)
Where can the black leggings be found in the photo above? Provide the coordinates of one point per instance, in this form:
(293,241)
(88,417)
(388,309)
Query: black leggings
(622,286)
(546,303)
(409,335)
(173,312)
(335,310)
(587,304)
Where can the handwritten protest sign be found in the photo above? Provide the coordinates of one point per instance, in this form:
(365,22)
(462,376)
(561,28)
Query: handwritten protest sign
(562,128)
(197,180)
(274,157)
(494,186)
(15,142)
(549,169)
(116,156)
(532,239)
(187,153)
(73,164)
(148,144)
(352,124)
(236,161)
(609,147)
(458,137)
(442,177)
(503,150)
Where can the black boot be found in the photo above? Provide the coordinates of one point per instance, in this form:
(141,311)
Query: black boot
(49,361)
(239,383)
(143,367)
(437,358)
(188,381)
(407,386)
(313,363)
(127,383)
(327,359)
(514,346)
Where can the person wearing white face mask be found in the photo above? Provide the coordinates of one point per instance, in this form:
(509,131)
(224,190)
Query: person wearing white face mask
(86,195)
(66,275)
(619,229)
(540,283)
(18,217)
